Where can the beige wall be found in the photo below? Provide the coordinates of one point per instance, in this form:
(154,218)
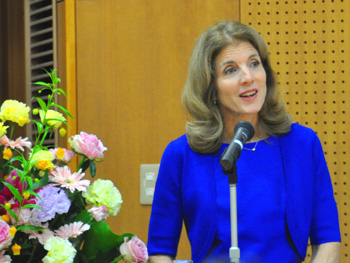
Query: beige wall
(131,60)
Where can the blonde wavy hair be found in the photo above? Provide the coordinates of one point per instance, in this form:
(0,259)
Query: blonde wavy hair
(205,125)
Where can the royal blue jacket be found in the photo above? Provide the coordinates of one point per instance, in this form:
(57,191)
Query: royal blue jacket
(185,191)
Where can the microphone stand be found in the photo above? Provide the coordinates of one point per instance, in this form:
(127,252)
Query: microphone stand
(244,131)
(232,179)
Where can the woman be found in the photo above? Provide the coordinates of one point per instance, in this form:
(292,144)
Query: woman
(283,197)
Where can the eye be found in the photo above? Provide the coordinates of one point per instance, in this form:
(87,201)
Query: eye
(229,70)
(255,63)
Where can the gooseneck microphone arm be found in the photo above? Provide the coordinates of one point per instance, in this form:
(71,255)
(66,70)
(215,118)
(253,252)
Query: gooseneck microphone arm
(244,131)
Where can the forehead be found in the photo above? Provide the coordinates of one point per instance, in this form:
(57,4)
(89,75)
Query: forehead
(238,50)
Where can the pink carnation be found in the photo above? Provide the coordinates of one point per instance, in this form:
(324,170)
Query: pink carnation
(99,213)
(134,250)
(72,230)
(19,143)
(88,145)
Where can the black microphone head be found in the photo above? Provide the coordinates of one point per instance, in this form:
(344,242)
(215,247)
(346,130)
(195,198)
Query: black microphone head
(248,127)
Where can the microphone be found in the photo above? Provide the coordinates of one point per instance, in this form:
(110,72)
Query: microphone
(244,131)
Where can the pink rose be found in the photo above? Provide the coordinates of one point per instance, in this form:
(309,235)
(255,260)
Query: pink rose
(88,145)
(5,238)
(134,250)
(99,213)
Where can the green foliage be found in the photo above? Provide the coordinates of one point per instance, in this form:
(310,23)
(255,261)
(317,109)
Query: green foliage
(99,244)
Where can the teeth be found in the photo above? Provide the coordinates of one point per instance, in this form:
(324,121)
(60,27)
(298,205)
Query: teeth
(248,94)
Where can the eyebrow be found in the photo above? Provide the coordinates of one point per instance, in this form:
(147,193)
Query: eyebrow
(232,61)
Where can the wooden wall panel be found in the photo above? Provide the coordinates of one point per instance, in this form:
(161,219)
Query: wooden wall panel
(309,43)
(3,50)
(132,59)
(14,59)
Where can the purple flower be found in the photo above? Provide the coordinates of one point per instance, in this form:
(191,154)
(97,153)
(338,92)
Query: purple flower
(53,200)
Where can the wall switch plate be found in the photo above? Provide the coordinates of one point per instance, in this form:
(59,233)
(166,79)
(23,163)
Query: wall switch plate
(148,178)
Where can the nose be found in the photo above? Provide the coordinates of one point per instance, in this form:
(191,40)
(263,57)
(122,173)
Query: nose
(246,76)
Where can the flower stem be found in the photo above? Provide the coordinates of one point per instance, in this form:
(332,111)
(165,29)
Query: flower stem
(12,129)
(32,254)
(117,259)
(44,136)
(81,163)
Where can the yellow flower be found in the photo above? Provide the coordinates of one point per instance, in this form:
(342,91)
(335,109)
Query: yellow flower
(53,118)
(59,250)
(103,192)
(6,218)
(42,165)
(3,129)
(16,249)
(7,154)
(12,231)
(26,195)
(7,205)
(63,132)
(43,160)
(15,111)
(60,153)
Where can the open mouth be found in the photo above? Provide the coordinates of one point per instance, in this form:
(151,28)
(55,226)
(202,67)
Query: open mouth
(248,94)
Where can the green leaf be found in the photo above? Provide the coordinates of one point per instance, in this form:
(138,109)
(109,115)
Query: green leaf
(77,200)
(92,169)
(62,91)
(32,193)
(84,216)
(14,191)
(30,182)
(86,165)
(11,212)
(41,83)
(81,257)
(43,181)
(63,109)
(31,206)
(100,239)
(42,103)
(29,227)
(39,126)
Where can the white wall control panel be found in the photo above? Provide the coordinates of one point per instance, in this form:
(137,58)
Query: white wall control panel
(148,177)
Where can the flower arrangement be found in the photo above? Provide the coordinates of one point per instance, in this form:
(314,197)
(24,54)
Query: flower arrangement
(50,213)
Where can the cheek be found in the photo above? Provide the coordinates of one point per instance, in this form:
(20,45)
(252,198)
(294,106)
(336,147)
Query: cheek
(226,88)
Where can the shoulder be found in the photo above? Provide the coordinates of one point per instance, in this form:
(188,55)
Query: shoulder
(176,149)
(300,134)
(179,145)
(300,130)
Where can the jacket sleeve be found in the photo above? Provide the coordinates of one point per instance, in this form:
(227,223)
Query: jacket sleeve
(166,216)
(324,220)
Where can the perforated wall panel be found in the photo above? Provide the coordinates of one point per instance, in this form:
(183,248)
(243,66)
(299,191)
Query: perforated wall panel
(309,45)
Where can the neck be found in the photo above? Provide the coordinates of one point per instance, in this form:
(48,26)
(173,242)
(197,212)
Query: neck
(231,124)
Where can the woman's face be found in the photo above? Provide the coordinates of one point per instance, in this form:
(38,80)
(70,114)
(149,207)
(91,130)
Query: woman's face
(240,82)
